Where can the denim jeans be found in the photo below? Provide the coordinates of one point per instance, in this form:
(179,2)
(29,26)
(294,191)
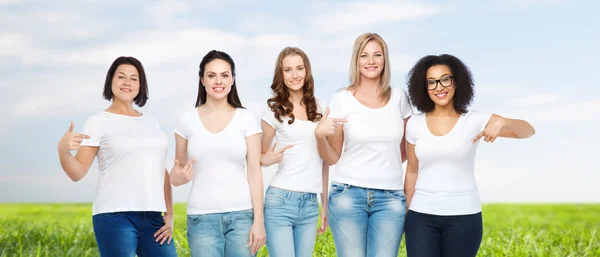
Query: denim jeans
(366,222)
(125,234)
(220,234)
(291,222)
(449,236)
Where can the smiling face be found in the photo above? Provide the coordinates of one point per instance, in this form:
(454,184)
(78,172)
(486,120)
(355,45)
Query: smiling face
(294,72)
(440,85)
(125,83)
(217,79)
(371,60)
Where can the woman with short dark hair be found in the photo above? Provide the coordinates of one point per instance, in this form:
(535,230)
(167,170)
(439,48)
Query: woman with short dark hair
(133,187)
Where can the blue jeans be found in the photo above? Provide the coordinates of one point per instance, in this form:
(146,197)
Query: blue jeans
(449,236)
(220,234)
(291,222)
(366,222)
(125,234)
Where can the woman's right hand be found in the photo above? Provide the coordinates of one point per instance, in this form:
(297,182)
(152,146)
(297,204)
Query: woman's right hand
(181,174)
(273,156)
(327,126)
(70,140)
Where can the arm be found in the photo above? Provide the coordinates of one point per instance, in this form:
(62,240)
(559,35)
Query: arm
(403,142)
(75,167)
(165,233)
(412,172)
(269,155)
(181,175)
(324,198)
(330,138)
(498,126)
(255,181)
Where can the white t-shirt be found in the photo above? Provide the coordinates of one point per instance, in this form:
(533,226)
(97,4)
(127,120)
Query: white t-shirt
(301,167)
(371,156)
(220,182)
(446,182)
(131,156)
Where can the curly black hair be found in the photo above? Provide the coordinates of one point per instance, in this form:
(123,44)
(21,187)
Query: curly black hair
(462,79)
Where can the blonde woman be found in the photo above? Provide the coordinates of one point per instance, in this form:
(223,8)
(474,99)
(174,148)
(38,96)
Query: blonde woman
(366,200)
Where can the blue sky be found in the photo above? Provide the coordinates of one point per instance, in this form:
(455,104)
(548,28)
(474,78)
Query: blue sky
(530,59)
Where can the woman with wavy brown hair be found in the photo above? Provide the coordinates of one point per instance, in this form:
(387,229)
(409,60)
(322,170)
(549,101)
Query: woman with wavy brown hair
(291,206)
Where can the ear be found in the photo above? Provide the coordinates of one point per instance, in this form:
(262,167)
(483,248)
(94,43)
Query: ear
(202,81)
(232,81)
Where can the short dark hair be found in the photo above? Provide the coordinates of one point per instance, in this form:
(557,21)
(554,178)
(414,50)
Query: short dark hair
(462,79)
(232,97)
(142,97)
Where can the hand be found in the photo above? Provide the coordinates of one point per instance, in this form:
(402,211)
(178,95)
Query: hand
(324,223)
(180,174)
(492,129)
(327,126)
(257,237)
(71,141)
(273,156)
(166,232)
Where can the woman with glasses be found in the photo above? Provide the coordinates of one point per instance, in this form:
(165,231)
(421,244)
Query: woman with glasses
(444,216)
(366,201)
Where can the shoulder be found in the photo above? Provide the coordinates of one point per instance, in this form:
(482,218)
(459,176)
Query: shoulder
(321,105)
(246,114)
(340,95)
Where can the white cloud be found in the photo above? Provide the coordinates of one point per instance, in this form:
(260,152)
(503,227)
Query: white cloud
(536,99)
(360,15)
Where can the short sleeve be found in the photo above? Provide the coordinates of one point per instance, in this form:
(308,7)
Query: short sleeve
(269,117)
(335,105)
(93,129)
(251,124)
(411,130)
(481,119)
(181,126)
(405,107)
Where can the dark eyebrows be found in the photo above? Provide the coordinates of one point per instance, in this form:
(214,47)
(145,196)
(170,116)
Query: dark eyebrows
(445,74)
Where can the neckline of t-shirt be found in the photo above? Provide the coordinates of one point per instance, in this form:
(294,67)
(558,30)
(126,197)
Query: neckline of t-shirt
(369,108)
(125,116)
(449,132)
(220,132)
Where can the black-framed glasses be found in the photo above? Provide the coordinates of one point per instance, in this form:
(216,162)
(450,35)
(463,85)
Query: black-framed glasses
(445,81)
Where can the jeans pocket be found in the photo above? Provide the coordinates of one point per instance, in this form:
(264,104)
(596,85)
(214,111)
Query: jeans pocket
(396,194)
(249,213)
(193,219)
(274,200)
(337,190)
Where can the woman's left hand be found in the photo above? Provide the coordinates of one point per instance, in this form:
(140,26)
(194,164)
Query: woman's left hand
(166,232)
(258,237)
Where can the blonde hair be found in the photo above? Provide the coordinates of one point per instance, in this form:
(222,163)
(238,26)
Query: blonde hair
(384,79)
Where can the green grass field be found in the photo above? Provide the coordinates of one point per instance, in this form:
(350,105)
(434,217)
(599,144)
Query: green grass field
(509,230)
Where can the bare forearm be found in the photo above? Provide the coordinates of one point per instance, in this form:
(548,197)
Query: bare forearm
(325,181)
(521,128)
(409,185)
(403,150)
(72,167)
(327,151)
(168,193)
(256,193)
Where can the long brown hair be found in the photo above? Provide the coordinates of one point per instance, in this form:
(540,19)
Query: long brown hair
(280,103)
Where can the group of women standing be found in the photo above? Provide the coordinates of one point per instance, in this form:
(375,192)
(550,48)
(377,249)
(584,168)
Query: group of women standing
(367,131)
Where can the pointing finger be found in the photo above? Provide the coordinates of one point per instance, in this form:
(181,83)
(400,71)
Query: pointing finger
(326,113)
(71,127)
(273,147)
(478,137)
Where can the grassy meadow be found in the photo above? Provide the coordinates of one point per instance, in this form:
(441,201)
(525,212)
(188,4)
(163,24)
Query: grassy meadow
(559,230)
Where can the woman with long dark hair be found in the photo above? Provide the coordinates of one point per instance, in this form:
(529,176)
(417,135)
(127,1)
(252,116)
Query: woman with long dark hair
(222,139)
